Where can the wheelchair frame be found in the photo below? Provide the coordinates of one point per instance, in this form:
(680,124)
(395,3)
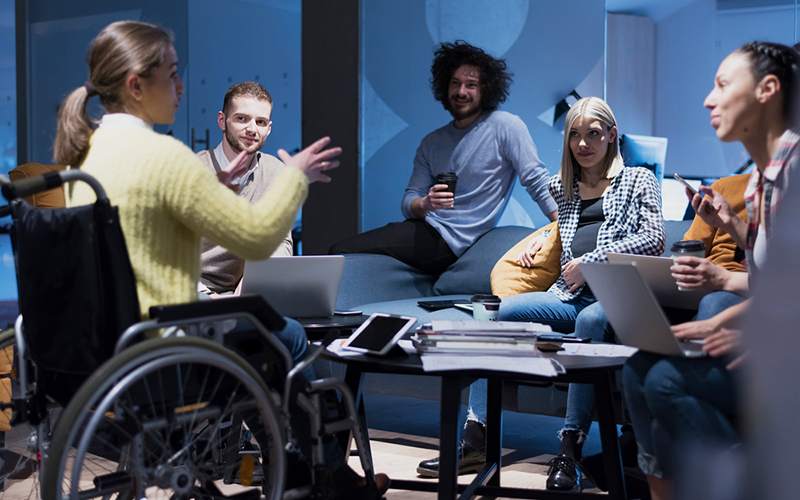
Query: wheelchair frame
(207,328)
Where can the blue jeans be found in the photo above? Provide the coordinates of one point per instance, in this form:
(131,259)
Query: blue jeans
(675,401)
(716,302)
(293,337)
(583,315)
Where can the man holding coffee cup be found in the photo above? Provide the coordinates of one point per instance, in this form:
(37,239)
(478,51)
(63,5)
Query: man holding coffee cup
(463,172)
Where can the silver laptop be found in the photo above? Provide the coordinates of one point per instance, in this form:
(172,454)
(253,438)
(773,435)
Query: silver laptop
(655,271)
(633,310)
(298,287)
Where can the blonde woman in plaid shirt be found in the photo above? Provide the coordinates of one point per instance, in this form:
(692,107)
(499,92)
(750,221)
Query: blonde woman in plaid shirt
(602,207)
(676,400)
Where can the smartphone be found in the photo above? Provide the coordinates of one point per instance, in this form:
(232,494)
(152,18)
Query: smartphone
(347,313)
(435,305)
(686,184)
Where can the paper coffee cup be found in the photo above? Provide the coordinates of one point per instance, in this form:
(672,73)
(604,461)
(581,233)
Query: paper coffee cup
(485,307)
(449,178)
(688,248)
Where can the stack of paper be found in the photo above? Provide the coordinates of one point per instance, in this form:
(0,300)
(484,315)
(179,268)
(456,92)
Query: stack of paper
(477,337)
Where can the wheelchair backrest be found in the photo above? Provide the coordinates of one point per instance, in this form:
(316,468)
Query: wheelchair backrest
(77,291)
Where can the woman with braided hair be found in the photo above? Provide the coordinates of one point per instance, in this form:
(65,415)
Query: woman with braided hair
(677,401)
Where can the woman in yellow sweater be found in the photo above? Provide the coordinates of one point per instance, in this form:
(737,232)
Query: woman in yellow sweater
(167,198)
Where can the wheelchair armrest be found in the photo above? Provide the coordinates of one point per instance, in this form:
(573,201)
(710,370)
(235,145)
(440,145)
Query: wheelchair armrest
(253,304)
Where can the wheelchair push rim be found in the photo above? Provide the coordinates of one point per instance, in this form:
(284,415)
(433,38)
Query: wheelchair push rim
(163,411)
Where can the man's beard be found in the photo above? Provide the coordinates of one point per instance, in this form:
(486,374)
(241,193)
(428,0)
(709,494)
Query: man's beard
(462,113)
(233,142)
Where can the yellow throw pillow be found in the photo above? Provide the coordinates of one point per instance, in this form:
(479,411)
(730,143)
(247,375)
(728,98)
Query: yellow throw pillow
(510,278)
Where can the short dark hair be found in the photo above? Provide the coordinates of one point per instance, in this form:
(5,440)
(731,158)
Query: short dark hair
(245,89)
(448,57)
(767,58)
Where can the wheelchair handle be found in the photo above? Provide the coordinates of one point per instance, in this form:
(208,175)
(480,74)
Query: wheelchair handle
(32,185)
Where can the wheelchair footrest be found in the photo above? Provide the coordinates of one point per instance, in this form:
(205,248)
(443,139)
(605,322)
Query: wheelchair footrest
(116,481)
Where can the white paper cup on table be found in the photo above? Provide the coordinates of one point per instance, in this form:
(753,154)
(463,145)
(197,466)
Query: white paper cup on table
(485,307)
(688,248)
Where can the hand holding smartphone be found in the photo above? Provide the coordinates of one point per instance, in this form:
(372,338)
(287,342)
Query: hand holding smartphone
(686,184)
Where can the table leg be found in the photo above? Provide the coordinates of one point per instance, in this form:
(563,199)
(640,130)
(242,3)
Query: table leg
(608,436)
(354,378)
(449,435)
(494,429)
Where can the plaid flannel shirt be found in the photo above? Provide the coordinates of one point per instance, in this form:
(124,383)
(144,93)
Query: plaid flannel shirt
(771,185)
(633,222)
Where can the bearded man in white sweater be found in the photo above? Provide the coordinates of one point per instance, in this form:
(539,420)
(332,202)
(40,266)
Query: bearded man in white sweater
(246,122)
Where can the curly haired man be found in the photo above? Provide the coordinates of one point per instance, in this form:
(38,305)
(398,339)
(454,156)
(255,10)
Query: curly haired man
(484,147)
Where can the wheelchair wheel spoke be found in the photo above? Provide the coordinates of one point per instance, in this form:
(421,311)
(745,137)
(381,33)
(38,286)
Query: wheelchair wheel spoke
(168,427)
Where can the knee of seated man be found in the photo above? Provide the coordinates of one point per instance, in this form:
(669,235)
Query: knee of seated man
(294,337)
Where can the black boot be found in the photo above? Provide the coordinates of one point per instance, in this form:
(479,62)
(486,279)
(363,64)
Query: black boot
(565,471)
(635,481)
(471,452)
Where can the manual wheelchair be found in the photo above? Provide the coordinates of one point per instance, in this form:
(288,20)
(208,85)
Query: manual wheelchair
(116,408)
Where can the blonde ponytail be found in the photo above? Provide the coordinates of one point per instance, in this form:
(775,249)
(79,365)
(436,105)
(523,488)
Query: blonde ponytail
(120,49)
(74,129)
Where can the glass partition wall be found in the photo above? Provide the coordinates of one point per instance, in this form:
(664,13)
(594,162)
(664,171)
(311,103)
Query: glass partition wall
(8,147)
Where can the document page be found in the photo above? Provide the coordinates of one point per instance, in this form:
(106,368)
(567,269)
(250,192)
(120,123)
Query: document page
(521,364)
(606,350)
(488,326)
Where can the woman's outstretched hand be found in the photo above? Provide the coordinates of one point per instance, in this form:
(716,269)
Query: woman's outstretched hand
(313,160)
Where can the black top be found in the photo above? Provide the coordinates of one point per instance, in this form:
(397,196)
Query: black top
(589,223)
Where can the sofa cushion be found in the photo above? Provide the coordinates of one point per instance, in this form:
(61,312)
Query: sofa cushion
(675,231)
(720,247)
(52,198)
(509,277)
(379,278)
(471,273)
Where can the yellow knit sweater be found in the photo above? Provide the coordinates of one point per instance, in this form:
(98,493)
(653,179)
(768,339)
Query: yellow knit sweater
(168,199)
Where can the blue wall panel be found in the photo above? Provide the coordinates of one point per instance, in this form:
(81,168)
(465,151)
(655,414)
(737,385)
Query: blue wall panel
(691,43)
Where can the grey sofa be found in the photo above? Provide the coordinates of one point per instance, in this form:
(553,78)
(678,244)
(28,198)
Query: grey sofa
(378,283)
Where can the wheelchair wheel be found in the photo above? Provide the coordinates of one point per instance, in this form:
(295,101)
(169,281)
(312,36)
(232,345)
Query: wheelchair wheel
(19,445)
(163,420)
